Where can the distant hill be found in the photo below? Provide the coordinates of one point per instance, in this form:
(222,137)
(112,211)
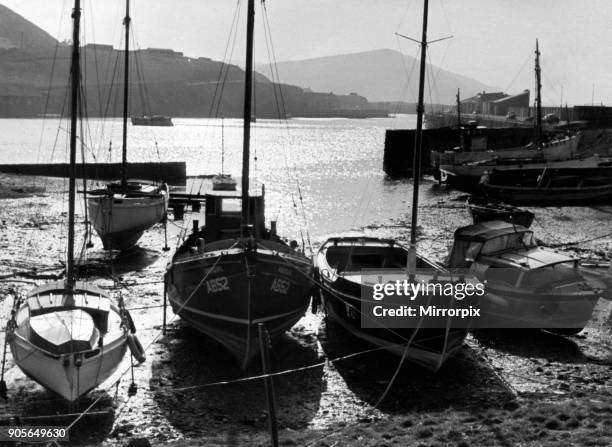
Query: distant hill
(17,32)
(379,75)
(34,71)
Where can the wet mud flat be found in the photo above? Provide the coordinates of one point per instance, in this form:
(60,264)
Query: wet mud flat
(506,388)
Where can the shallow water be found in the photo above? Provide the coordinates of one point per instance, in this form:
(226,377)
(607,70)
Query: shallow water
(333,165)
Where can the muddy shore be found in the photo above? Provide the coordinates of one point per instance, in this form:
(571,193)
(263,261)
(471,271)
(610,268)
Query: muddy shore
(504,388)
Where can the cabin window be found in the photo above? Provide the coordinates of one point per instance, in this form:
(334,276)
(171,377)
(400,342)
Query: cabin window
(462,251)
(504,275)
(510,241)
(552,275)
(231,206)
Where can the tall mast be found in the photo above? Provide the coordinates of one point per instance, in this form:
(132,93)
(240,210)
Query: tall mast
(416,165)
(75,78)
(248,89)
(126,77)
(538,94)
(458,110)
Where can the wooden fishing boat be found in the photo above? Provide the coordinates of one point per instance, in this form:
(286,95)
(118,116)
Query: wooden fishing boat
(464,168)
(550,186)
(234,273)
(67,335)
(527,286)
(152,120)
(121,212)
(340,262)
(484,210)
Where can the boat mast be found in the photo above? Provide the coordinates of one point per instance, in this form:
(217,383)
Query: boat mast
(458,110)
(126,76)
(248,81)
(416,165)
(75,78)
(538,95)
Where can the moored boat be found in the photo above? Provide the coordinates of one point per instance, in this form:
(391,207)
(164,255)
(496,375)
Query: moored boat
(483,210)
(121,212)
(341,263)
(527,286)
(550,186)
(464,167)
(152,120)
(68,336)
(233,273)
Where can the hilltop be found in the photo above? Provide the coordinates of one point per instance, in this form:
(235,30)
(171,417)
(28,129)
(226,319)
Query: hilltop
(34,69)
(379,75)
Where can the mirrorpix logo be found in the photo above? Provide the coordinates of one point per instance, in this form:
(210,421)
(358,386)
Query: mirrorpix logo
(426,299)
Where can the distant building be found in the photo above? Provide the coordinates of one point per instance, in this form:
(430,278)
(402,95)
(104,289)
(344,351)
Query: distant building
(99,47)
(502,106)
(162,52)
(479,103)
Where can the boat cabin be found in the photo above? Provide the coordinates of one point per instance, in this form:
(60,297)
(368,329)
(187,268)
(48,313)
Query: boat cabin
(223,215)
(503,252)
(61,328)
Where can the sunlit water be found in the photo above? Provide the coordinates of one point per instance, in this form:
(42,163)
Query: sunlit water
(335,165)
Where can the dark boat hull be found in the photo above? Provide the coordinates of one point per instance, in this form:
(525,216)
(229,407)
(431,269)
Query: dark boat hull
(429,348)
(483,211)
(341,291)
(589,195)
(213,292)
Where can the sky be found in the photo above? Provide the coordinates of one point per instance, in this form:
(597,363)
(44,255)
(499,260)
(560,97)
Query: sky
(493,40)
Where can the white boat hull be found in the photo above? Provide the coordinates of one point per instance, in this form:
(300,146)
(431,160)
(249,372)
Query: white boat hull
(60,375)
(121,221)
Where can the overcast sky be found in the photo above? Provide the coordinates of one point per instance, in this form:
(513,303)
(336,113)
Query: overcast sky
(493,39)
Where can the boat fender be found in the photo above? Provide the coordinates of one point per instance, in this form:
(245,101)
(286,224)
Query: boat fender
(130,322)
(136,348)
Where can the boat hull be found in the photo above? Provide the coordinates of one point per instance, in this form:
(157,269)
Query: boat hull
(213,293)
(121,221)
(341,296)
(67,369)
(508,308)
(550,196)
(61,375)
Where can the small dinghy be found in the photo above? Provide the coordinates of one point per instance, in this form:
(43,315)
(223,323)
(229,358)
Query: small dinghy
(484,210)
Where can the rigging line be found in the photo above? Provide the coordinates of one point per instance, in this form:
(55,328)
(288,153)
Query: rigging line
(431,84)
(407,83)
(159,333)
(49,88)
(95,51)
(233,28)
(527,59)
(268,33)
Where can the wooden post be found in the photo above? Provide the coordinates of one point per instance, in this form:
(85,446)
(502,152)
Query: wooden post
(264,344)
(165,305)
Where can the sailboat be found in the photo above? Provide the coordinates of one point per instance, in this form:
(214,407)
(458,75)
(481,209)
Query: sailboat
(223,181)
(234,273)
(340,262)
(467,166)
(121,212)
(68,335)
